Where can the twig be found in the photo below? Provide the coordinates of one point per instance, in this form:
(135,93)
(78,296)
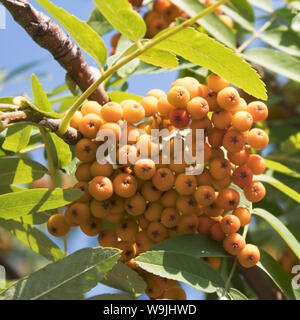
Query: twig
(50,36)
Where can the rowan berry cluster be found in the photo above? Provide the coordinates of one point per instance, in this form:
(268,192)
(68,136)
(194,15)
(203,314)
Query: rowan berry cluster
(149,202)
(162,15)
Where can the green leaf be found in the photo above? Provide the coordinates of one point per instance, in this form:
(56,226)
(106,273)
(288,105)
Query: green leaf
(87,38)
(60,150)
(274,270)
(195,245)
(119,96)
(204,51)
(99,23)
(276,166)
(296,23)
(32,237)
(50,114)
(21,203)
(17,171)
(242,12)
(235,294)
(121,16)
(8,100)
(263,4)
(39,95)
(280,186)
(291,145)
(177,266)
(17,137)
(65,279)
(159,58)
(210,22)
(283,38)
(283,231)
(124,278)
(276,61)
(36,218)
(112,296)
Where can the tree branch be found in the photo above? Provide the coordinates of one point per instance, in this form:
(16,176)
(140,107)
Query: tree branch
(71,137)
(50,36)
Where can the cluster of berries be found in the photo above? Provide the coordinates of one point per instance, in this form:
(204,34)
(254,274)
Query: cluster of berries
(162,15)
(148,201)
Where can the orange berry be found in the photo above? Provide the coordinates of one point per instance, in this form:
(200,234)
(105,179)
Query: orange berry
(221,119)
(112,112)
(77,213)
(219,168)
(91,107)
(257,139)
(144,169)
(188,224)
(174,293)
(125,185)
(215,137)
(98,169)
(192,85)
(57,225)
(178,96)
(156,231)
(83,186)
(143,242)
(161,6)
(214,262)
(233,141)
(101,188)
(128,248)
(108,238)
(164,107)
(135,205)
(249,256)
(75,120)
(243,214)
(255,191)
(169,198)
(211,98)
(92,226)
(204,178)
(133,112)
(213,210)
(241,157)
(256,163)
(234,244)
(157,93)
(216,232)
(170,217)
(205,195)
(111,129)
(187,205)
(153,211)
(222,183)
(127,229)
(82,172)
(149,104)
(198,108)
(228,199)
(228,98)
(258,110)
(242,121)
(150,192)
(185,184)
(242,176)
(115,39)
(217,83)
(100,209)
(157,25)
(230,224)
(163,179)
(90,124)
(204,224)
(85,150)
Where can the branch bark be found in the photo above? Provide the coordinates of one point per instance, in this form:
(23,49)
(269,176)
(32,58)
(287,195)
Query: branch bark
(71,137)
(50,36)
